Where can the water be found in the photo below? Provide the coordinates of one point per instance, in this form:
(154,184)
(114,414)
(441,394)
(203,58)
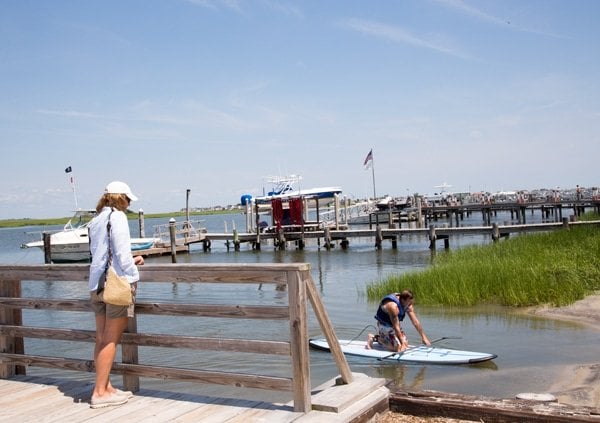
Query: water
(531,351)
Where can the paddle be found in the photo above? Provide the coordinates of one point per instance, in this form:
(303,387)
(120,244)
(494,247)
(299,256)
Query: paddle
(416,346)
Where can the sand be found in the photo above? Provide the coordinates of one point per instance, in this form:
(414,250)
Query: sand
(579,384)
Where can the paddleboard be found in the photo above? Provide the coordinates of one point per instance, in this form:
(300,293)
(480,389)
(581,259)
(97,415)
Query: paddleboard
(414,354)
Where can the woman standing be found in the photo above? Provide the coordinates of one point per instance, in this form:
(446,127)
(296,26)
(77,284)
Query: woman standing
(111,320)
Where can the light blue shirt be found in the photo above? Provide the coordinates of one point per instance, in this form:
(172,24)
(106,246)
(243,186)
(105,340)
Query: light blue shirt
(120,238)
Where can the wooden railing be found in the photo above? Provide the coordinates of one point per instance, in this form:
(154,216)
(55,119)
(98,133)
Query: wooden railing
(295,278)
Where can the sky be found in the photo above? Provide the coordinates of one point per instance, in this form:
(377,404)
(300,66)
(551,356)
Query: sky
(214,95)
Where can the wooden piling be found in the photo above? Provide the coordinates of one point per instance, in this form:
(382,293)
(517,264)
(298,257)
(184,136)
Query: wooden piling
(173,240)
(432,237)
(495,232)
(378,237)
(327,234)
(141,223)
(47,248)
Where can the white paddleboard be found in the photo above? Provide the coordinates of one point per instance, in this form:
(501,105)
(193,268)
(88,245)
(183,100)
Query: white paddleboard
(414,354)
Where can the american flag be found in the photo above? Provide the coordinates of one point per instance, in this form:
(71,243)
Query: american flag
(369,158)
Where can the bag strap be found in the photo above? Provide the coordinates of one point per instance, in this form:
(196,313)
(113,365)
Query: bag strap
(108,227)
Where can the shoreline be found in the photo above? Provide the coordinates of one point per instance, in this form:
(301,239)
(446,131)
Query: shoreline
(579,384)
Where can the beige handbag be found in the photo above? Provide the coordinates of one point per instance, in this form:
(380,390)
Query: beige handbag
(117,290)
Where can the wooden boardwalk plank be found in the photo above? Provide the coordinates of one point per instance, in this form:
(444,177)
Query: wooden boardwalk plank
(53,400)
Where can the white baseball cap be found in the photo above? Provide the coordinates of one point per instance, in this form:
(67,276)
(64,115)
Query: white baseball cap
(118,187)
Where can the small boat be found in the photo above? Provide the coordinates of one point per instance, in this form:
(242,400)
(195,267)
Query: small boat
(72,243)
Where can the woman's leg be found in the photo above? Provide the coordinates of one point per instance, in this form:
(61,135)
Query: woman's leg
(108,335)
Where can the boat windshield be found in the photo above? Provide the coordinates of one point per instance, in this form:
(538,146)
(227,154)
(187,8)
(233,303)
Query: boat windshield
(80,219)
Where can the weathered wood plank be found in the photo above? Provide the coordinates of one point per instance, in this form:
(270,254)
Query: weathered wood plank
(172,309)
(298,340)
(59,400)
(154,340)
(433,403)
(328,331)
(334,397)
(220,378)
(186,272)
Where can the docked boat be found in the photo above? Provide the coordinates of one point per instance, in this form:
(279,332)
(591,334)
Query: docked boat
(286,187)
(72,243)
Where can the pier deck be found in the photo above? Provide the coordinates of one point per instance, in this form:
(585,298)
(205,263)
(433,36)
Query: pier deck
(43,399)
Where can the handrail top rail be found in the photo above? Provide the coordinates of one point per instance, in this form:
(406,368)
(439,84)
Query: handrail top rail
(186,272)
(229,267)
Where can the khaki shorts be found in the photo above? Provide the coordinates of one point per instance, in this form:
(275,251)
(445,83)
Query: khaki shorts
(111,311)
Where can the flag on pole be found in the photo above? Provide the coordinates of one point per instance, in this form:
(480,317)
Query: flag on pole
(70,170)
(369,159)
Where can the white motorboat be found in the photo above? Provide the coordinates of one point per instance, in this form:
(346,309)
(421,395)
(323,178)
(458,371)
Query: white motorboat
(72,243)
(286,187)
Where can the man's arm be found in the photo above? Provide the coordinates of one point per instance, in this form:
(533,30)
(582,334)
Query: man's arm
(415,321)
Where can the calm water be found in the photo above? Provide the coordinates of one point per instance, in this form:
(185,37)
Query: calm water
(531,351)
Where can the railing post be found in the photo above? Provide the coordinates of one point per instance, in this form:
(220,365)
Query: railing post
(299,342)
(8,316)
(129,355)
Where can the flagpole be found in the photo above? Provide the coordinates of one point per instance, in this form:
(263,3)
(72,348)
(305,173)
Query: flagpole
(69,170)
(373,174)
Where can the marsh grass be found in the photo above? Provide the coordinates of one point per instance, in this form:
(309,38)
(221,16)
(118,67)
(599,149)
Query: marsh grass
(15,223)
(555,268)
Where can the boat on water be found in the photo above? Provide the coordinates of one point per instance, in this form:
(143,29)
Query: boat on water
(286,187)
(72,243)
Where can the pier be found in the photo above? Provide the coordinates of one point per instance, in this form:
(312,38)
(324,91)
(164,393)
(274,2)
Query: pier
(327,238)
(347,398)
(436,221)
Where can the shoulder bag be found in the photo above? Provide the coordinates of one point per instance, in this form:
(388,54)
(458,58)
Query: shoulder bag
(117,290)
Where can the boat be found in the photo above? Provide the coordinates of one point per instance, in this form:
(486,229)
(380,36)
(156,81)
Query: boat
(286,187)
(414,354)
(72,243)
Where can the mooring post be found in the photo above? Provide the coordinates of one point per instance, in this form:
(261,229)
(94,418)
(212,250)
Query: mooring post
(378,237)
(141,223)
(327,233)
(236,240)
(495,232)
(47,248)
(432,237)
(173,241)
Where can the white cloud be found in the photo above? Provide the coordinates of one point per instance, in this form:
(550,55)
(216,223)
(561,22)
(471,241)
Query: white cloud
(437,42)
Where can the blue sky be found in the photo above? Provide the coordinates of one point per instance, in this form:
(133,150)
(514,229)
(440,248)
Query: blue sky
(212,96)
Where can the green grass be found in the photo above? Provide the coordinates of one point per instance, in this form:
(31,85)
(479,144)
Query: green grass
(555,268)
(15,223)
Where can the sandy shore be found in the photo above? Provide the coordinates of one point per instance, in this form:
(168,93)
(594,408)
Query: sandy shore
(579,384)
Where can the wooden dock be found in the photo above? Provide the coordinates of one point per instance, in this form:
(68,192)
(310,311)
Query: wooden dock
(328,237)
(179,237)
(351,397)
(43,399)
